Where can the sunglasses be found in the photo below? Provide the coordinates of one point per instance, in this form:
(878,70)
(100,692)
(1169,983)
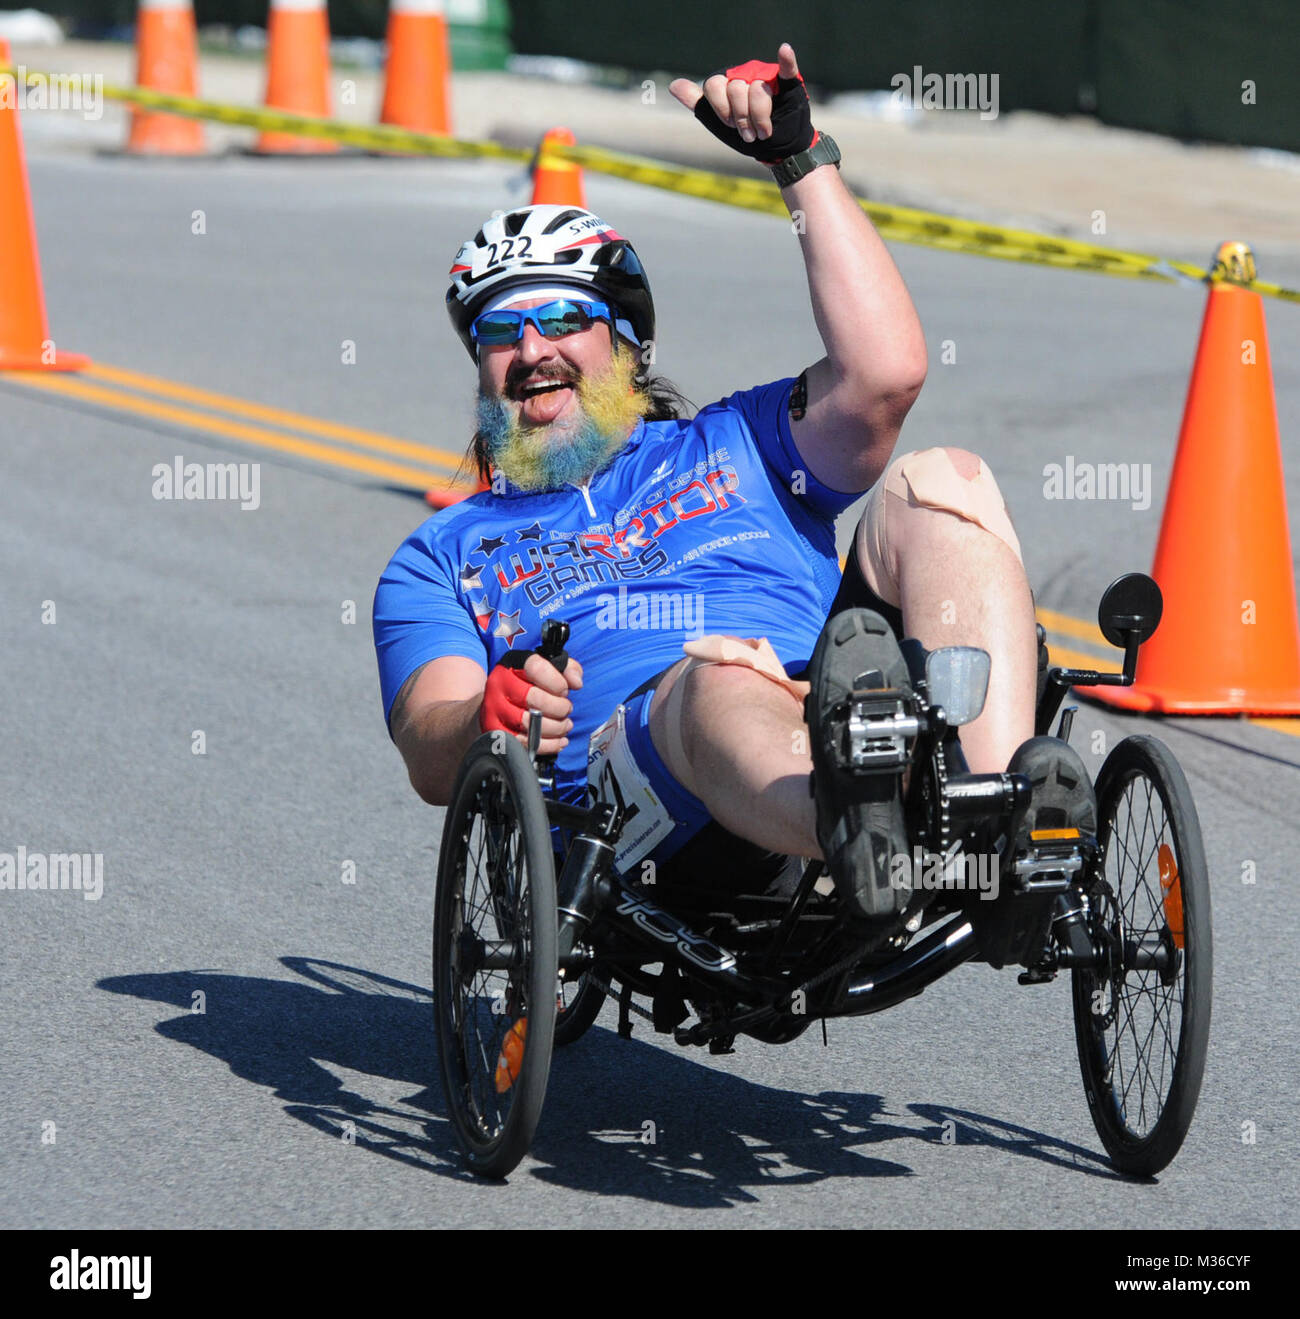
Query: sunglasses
(553,320)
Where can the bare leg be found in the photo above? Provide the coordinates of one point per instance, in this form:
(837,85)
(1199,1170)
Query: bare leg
(738,741)
(958,584)
(962,586)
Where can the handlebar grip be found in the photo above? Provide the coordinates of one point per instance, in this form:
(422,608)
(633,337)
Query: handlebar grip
(555,633)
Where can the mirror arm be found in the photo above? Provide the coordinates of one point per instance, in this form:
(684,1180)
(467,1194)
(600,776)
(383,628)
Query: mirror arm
(1132,640)
(1059,681)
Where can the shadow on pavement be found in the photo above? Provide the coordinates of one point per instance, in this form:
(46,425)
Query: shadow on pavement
(622,1117)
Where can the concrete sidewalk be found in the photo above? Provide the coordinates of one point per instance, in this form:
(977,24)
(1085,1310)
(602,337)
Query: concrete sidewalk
(1023,169)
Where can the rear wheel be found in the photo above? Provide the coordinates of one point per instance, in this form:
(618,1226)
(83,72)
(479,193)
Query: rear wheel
(1142,1016)
(494,955)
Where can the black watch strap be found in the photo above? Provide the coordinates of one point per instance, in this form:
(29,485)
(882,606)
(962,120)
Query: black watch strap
(822,152)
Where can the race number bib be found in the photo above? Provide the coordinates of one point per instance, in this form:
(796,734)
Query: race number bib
(614,777)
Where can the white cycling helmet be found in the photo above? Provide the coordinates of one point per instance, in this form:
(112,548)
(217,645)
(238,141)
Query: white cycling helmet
(548,244)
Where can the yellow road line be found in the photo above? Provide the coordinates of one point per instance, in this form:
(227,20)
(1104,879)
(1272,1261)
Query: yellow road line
(73,388)
(1077,659)
(1071,627)
(1284,724)
(238,407)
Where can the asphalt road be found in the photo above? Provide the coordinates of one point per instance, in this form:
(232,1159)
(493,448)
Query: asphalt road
(223,872)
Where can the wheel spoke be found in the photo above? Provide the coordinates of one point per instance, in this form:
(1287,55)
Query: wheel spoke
(1139,1034)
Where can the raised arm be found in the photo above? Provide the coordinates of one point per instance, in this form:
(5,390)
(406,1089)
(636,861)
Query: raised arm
(875,363)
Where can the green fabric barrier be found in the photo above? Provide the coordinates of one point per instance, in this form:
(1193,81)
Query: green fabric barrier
(484,45)
(1038,49)
(1177,67)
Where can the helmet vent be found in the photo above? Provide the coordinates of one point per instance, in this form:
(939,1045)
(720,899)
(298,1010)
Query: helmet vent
(562,219)
(515,221)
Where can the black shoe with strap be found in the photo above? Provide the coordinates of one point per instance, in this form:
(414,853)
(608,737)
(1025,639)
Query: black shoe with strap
(861,728)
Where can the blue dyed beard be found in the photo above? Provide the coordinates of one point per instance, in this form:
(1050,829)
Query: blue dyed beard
(544,457)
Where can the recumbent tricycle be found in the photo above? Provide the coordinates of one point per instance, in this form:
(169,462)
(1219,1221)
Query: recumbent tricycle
(529,939)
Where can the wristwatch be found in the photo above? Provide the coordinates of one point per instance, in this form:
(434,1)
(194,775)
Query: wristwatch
(822,152)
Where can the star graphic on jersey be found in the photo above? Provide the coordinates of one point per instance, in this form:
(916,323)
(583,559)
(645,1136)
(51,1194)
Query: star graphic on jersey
(661,471)
(508,626)
(469,577)
(483,613)
(529,533)
(487,545)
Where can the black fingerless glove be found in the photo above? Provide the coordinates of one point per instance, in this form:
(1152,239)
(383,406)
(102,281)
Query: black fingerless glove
(792,129)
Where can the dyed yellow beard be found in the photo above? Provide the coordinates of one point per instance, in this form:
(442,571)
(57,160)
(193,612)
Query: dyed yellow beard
(550,457)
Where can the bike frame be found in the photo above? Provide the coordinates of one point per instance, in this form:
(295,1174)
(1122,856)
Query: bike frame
(591,896)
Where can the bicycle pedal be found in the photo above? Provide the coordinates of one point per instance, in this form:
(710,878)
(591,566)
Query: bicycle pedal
(873,733)
(1054,858)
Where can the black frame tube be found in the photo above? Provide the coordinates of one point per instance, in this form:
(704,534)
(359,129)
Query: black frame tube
(910,972)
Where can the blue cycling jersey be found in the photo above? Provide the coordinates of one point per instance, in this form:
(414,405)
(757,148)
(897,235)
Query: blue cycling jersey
(712,525)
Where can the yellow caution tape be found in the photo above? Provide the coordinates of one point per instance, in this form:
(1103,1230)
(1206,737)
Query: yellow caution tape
(899,223)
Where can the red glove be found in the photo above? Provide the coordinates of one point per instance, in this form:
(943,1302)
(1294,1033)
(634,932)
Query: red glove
(792,129)
(505,698)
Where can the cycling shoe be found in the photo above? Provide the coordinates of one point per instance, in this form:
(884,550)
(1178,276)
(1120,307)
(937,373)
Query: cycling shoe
(1063,796)
(857,777)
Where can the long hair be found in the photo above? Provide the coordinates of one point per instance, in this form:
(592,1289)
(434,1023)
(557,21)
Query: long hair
(667,403)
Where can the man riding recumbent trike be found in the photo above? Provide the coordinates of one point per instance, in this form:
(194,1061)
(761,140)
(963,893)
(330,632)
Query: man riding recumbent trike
(528,941)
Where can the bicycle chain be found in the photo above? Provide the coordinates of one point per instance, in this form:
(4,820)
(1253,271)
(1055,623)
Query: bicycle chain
(944,831)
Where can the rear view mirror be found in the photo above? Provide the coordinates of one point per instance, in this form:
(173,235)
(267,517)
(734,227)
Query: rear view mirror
(1131,604)
(957,678)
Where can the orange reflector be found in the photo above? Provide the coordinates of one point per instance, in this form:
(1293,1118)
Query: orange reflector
(1173,892)
(511,1057)
(1041,835)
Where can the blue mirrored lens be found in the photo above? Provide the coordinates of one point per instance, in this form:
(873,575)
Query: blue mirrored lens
(497,327)
(554,320)
(557,319)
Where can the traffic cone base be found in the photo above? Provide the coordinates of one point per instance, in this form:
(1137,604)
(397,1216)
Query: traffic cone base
(28,362)
(1229,641)
(1229,700)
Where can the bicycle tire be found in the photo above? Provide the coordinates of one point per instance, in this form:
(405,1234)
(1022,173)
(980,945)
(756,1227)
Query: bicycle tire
(497,815)
(1117,1013)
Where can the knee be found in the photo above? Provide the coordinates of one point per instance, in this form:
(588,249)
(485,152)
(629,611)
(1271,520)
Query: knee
(967,464)
(941,494)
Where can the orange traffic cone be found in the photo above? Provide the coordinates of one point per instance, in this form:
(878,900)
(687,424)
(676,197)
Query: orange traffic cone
(1229,641)
(556,180)
(298,72)
(167,56)
(417,83)
(446,495)
(25,343)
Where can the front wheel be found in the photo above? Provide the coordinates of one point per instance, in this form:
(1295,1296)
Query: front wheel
(494,955)
(1142,1015)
